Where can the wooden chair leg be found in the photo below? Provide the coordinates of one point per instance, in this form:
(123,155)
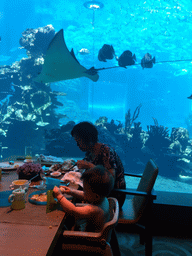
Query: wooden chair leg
(114,244)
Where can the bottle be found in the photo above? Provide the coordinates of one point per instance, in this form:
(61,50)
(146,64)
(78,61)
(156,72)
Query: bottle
(51,203)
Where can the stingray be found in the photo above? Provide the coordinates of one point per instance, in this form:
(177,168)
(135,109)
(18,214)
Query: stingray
(61,64)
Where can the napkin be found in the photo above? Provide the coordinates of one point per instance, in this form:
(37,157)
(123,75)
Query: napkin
(74,177)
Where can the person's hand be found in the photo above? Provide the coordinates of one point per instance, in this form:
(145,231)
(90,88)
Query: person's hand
(56,191)
(65,189)
(82,164)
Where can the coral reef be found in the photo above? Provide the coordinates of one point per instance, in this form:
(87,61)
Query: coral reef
(36,41)
(134,148)
(25,104)
(180,135)
(158,140)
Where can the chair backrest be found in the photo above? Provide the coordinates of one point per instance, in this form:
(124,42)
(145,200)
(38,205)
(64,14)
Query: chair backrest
(114,217)
(145,185)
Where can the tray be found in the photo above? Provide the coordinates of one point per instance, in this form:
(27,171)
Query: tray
(35,193)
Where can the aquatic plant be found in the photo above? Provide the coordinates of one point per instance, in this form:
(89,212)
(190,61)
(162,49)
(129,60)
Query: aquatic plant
(135,142)
(158,140)
(129,120)
(112,127)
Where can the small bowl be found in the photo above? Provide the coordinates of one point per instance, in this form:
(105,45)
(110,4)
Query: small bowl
(55,174)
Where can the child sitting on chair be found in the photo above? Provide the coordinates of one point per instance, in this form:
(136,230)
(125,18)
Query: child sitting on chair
(97,184)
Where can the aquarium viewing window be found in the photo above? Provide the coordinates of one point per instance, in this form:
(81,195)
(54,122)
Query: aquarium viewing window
(125,66)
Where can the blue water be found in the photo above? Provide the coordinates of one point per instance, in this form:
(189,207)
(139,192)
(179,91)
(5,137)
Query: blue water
(161,28)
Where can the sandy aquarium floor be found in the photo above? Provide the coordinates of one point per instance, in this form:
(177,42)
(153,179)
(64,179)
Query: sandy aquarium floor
(163,184)
(169,191)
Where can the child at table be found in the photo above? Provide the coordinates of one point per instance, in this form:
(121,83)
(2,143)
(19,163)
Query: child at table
(97,184)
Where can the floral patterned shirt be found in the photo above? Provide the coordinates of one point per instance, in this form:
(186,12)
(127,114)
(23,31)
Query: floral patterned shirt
(110,160)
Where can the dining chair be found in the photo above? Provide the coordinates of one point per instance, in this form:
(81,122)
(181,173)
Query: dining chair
(99,243)
(139,206)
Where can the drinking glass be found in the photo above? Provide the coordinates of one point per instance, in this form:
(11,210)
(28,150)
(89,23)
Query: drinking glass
(28,152)
(43,182)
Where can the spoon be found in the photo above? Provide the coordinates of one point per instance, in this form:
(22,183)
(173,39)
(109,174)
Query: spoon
(34,177)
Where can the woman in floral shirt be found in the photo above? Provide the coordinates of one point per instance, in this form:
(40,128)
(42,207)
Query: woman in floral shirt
(86,136)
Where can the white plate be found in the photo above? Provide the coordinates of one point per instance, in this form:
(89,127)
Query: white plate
(55,174)
(28,161)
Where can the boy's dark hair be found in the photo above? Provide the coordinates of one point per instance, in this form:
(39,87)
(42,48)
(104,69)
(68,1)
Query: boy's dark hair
(100,180)
(86,131)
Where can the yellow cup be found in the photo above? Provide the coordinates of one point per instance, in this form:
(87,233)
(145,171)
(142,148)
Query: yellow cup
(18,205)
(17,199)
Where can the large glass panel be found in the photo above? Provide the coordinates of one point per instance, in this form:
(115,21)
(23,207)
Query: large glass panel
(137,93)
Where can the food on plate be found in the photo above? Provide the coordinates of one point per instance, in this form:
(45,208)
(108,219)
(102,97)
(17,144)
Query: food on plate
(34,197)
(55,174)
(64,167)
(16,166)
(40,197)
(56,167)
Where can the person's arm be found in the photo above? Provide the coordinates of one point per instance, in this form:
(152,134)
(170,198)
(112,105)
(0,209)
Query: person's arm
(112,171)
(83,212)
(107,159)
(82,164)
(73,192)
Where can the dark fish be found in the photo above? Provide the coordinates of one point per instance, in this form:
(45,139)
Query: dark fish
(147,61)
(61,116)
(126,59)
(190,97)
(106,52)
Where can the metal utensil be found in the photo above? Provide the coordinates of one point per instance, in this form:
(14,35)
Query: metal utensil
(64,183)
(34,177)
(72,167)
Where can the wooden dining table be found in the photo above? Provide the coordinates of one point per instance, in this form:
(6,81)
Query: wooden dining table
(30,231)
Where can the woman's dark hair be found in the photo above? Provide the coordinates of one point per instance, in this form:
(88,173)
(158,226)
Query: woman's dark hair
(100,180)
(86,131)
